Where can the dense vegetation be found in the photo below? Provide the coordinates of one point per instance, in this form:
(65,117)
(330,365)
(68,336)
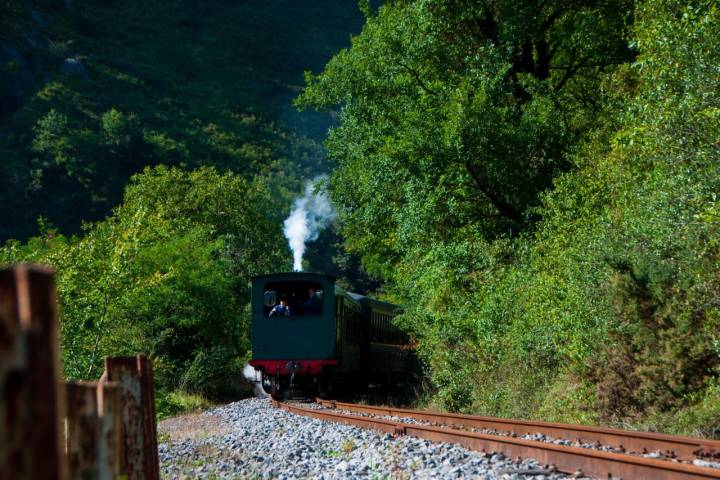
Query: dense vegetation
(94,91)
(157,145)
(166,273)
(537,184)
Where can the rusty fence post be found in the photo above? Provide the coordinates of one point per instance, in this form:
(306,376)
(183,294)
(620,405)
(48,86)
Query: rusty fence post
(109,401)
(134,377)
(31,397)
(93,430)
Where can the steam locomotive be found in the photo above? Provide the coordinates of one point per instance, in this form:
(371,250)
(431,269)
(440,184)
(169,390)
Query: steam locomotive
(323,339)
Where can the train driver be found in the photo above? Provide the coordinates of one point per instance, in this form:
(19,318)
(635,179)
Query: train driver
(281,309)
(313,305)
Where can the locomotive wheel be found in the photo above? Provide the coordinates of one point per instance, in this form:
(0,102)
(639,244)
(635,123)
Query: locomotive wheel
(274,388)
(277,392)
(325,386)
(266,384)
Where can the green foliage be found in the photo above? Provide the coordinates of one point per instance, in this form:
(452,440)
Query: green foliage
(174,403)
(118,129)
(166,275)
(456,118)
(52,141)
(194,84)
(700,418)
(536,184)
(550,232)
(663,281)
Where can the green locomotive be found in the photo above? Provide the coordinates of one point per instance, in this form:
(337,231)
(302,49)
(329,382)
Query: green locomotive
(310,335)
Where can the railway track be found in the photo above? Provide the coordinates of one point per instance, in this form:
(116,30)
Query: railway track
(678,452)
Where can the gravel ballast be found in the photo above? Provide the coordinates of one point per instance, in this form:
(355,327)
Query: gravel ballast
(536,437)
(251,439)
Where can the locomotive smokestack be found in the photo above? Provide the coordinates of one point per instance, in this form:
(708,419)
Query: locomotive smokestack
(310,214)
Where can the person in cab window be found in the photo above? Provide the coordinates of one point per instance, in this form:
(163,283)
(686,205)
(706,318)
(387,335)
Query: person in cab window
(281,309)
(313,305)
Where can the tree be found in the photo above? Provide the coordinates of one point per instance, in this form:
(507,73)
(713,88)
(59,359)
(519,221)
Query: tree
(166,274)
(55,143)
(459,114)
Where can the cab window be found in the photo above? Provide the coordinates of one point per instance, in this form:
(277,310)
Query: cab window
(293,299)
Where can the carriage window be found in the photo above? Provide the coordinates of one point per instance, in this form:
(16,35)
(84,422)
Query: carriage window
(293,299)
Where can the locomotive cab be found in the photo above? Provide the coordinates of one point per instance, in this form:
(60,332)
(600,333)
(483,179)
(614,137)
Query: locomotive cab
(312,336)
(295,344)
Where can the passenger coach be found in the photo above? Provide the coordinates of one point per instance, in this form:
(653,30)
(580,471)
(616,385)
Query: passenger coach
(335,341)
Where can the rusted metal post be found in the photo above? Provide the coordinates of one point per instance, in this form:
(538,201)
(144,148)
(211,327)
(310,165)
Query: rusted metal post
(31,397)
(109,401)
(134,376)
(93,430)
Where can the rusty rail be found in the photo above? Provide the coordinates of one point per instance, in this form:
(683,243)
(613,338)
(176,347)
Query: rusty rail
(110,430)
(590,462)
(684,448)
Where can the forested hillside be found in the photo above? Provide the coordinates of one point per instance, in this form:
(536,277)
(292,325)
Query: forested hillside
(149,152)
(93,92)
(536,182)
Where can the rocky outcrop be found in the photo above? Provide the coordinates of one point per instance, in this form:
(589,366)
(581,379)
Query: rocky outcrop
(73,67)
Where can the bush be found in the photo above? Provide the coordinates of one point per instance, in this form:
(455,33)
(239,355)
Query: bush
(552,239)
(177,402)
(166,275)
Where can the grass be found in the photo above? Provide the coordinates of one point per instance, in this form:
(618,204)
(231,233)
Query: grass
(347,446)
(177,402)
(700,419)
(331,453)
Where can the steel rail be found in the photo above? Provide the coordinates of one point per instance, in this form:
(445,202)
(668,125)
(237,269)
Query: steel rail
(566,459)
(684,448)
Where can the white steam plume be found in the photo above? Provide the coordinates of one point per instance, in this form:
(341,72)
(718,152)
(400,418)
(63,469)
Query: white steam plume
(251,376)
(310,214)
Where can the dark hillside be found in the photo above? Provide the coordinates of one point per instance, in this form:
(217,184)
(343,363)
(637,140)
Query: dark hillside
(91,92)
